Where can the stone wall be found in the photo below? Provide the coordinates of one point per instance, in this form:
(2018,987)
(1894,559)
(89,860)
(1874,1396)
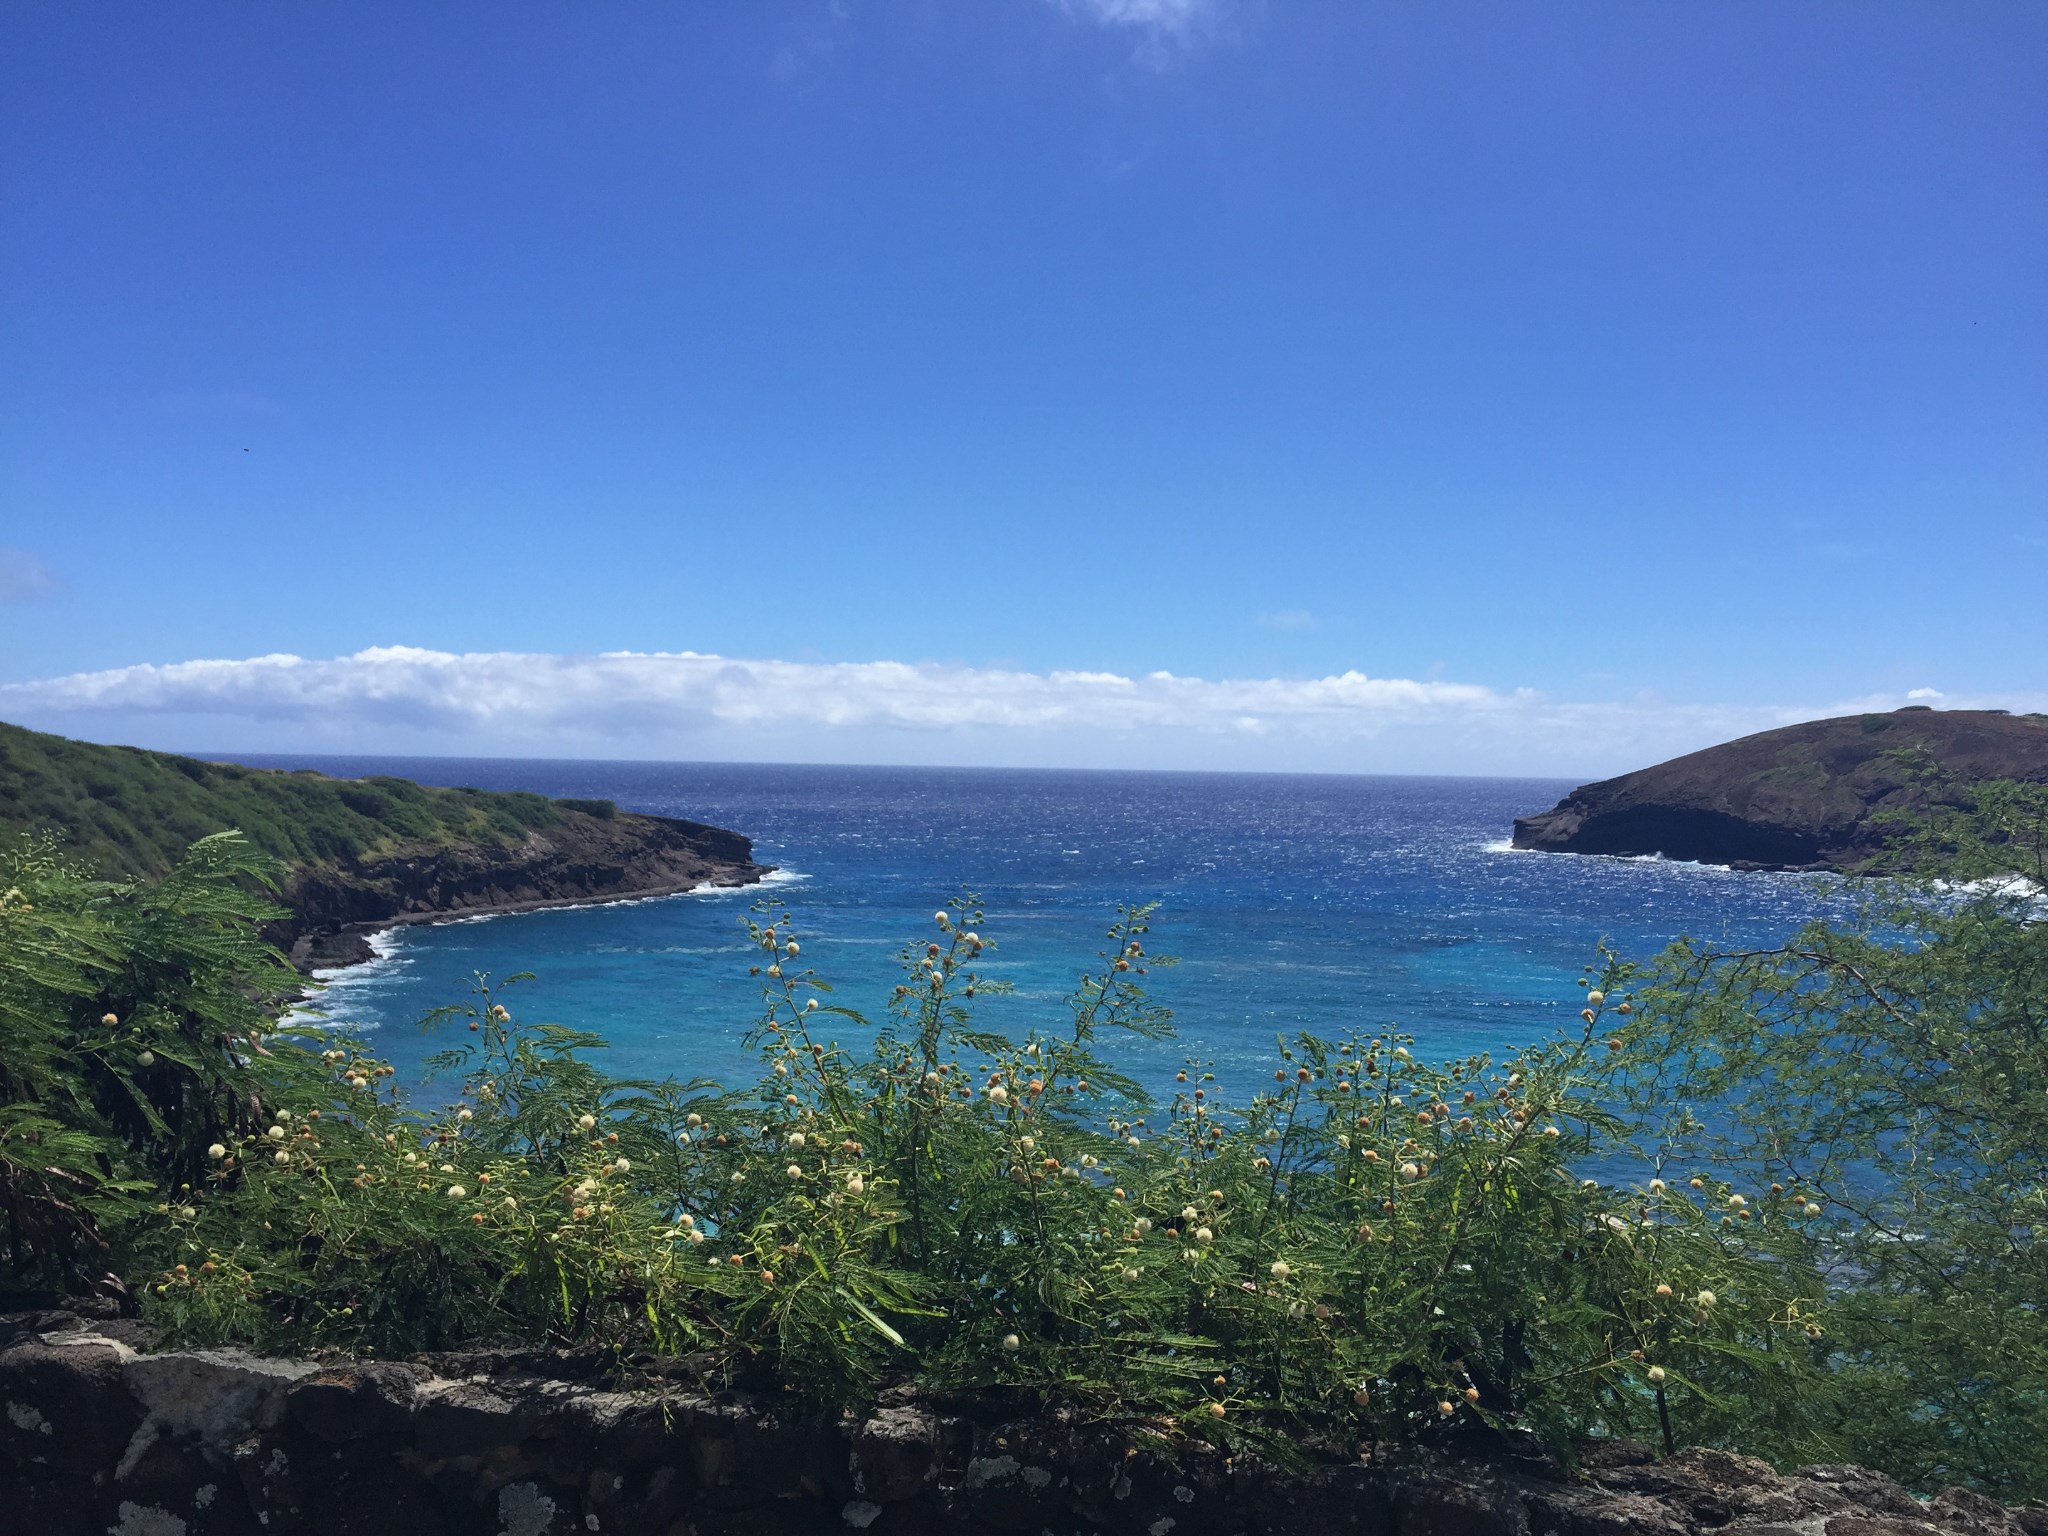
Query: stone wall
(99,1435)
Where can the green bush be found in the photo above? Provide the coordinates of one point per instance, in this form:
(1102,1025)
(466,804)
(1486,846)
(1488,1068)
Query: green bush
(1780,1202)
(133,1021)
(1894,1074)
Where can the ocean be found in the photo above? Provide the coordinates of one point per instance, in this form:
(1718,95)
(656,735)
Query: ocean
(1295,902)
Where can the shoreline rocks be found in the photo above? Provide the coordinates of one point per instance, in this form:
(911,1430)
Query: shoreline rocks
(97,1434)
(581,860)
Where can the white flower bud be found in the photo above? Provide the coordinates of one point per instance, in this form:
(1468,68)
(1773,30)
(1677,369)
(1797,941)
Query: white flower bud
(793,1171)
(216,1151)
(1010,1341)
(457,1192)
(275,1133)
(1656,1375)
(1280,1271)
(586,1122)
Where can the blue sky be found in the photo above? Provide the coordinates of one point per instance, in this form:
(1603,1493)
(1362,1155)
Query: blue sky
(1582,382)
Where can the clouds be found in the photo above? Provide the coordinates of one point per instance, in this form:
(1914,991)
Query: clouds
(23,577)
(1164,28)
(683,704)
(1177,18)
(635,693)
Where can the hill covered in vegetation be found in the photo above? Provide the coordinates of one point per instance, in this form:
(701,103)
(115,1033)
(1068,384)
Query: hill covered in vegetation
(1826,794)
(354,853)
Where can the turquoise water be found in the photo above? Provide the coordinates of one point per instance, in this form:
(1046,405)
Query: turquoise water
(1296,902)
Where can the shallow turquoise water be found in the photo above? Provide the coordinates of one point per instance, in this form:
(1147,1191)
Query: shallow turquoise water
(1296,902)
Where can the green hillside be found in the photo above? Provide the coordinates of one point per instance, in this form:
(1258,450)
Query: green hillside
(134,812)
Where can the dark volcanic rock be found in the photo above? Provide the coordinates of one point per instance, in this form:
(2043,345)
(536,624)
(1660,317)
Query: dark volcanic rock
(581,858)
(1803,797)
(95,1437)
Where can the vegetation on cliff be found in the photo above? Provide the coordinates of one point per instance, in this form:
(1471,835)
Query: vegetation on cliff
(351,851)
(134,812)
(1783,1202)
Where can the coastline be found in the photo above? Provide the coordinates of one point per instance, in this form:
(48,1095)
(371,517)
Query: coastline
(349,945)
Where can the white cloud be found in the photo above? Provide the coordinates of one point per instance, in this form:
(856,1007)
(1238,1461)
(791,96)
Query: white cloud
(1165,28)
(399,698)
(1170,16)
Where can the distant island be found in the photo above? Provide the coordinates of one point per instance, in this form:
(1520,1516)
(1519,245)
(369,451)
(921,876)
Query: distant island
(1817,796)
(356,855)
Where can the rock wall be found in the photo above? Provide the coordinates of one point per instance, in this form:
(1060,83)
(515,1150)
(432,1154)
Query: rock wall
(99,1435)
(581,859)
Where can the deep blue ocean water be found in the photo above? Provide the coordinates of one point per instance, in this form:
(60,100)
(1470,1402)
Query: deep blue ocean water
(1295,901)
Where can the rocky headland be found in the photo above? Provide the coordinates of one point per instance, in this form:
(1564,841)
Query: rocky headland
(579,859)
(100,1433)
(354,855)
(1806,797)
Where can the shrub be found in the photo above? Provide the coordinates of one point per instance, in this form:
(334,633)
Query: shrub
(1782,1202)
(133,1017)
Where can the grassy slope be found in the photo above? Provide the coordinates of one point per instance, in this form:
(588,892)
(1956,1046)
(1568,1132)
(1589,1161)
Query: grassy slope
(133,812)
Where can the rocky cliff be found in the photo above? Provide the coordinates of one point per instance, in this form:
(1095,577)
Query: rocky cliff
(100,1435)
(1803,797)
(353,855)
(580,858)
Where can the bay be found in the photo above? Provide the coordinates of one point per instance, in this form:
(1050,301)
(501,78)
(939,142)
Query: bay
(1295,902)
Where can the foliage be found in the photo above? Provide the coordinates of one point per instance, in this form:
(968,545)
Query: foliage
(133,1017)
(132,812)
(1375,1247)
(1893,1073)
(1994,829)
(1780,1202)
